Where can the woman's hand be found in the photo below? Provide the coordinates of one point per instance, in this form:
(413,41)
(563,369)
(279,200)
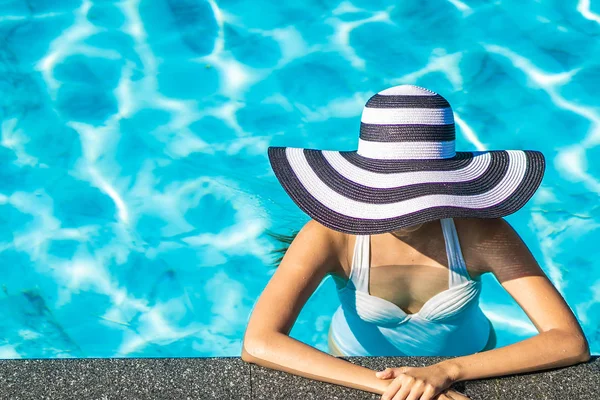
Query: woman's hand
(450,394)
(412,383)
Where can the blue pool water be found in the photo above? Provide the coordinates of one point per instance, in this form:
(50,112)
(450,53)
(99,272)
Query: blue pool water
(135,189)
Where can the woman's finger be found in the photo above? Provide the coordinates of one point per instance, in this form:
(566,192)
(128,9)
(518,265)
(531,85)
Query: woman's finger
(382,374)
(404,390)
(454,395)
(416,391)
(392,388)
(442,396)
(428,393)
(385,374)
(390,373)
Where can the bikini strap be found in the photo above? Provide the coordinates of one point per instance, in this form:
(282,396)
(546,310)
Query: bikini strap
(458,273)
(359,273)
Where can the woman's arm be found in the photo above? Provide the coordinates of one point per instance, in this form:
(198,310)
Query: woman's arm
(560,342)
(314,253)
(281,352)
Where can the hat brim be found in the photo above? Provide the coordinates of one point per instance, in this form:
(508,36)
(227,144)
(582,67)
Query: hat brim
(357,195)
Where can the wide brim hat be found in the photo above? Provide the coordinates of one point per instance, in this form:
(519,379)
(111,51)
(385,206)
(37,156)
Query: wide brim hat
(405,170)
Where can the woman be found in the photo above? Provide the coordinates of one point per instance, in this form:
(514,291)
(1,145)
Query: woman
(406,226)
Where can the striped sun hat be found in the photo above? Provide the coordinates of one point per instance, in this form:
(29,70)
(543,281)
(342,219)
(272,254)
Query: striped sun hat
(406,170)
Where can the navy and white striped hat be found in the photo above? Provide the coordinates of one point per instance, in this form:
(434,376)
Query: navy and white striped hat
(406,170)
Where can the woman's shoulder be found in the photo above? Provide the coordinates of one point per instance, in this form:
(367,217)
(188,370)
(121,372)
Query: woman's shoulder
(473,235)
(318,238)
(486,242)
(480,227)
(485,229)
(316,228)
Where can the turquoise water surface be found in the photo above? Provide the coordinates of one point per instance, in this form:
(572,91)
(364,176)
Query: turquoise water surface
(135,189)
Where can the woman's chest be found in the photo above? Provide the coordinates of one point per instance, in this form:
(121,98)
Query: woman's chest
(402,274)
(407,286)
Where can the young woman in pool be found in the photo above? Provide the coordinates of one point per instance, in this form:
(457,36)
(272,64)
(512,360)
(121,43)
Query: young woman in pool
(407,226)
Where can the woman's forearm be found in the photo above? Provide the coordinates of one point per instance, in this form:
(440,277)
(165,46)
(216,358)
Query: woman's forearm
(284,353)
(546,350)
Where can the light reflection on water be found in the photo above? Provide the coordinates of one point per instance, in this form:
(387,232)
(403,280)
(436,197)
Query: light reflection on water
(135,187)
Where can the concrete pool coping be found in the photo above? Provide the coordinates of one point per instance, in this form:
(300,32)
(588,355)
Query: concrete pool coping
(232,378)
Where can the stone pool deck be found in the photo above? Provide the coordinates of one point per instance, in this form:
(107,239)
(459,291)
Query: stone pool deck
(232,378)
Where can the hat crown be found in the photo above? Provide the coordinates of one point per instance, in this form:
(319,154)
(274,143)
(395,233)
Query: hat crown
(407,122)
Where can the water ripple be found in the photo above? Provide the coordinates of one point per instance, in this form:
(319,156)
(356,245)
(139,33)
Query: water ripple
(135,187)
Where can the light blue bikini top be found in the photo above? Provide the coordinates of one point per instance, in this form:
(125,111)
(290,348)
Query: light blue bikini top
(450,323)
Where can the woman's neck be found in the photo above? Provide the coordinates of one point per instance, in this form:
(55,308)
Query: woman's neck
(407,230)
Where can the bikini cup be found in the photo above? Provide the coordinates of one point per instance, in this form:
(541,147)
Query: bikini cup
(461,292)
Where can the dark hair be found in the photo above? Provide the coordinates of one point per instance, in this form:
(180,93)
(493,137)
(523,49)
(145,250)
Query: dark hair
(284,243)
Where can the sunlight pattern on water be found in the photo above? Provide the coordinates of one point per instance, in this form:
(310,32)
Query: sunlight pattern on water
(135,188)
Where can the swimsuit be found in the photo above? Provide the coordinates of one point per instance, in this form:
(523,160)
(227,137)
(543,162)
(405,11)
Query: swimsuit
(449,324)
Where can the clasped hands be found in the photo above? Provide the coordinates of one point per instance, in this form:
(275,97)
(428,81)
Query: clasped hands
(418,383)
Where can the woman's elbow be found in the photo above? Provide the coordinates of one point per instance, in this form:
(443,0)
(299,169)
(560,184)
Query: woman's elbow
(252,347)
(246,355)
(584,354)
(579,348)
(586,357)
